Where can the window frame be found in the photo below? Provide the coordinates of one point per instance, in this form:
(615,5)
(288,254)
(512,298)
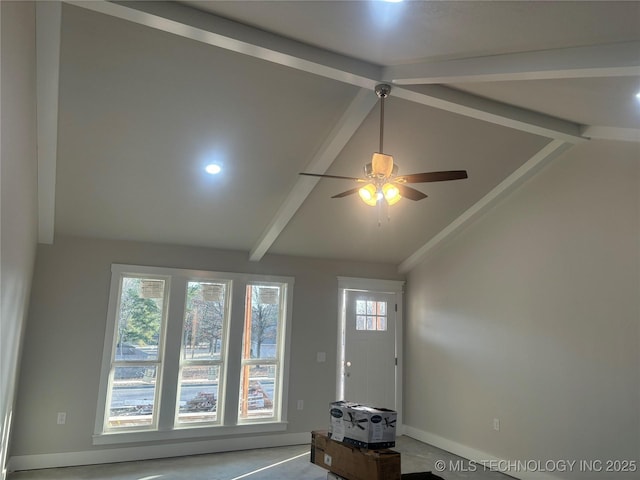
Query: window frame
(167,427)
(221,363)
(158,362)
(282,315)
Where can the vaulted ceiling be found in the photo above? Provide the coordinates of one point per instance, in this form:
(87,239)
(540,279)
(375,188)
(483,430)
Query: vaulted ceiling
(135,98)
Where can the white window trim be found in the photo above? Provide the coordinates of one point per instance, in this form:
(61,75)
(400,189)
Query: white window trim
(166,428)
(278,400)
(159,362)
(222,363)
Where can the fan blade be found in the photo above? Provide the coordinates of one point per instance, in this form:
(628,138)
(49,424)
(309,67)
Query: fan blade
(347,193)
(361,180)
(410,193)
(433,176)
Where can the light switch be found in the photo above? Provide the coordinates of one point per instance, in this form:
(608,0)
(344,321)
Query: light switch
(322,357)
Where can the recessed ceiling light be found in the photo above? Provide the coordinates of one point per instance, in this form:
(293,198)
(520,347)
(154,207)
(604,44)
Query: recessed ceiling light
(213,168)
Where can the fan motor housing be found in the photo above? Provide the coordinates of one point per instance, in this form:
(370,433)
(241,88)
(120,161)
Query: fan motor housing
(368,170)
(383,90)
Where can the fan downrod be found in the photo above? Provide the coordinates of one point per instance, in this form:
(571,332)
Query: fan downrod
(382,90)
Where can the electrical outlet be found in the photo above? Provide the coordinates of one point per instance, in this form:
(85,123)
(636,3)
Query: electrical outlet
(496,424)
(62,418)
(300,404)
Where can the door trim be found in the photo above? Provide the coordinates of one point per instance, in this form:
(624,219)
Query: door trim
(395,287)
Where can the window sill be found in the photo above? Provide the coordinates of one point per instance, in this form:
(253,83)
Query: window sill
(112,438)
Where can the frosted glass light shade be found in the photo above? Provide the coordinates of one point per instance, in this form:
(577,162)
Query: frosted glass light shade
(382,164)
(391,193)
(368,194)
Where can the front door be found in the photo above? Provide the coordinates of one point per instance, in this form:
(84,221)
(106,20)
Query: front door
(369,348)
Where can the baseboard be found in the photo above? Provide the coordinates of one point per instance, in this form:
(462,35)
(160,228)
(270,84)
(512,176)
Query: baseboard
(114,455)
(475,455)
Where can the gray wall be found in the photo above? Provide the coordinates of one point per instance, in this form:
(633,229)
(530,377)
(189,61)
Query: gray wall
(65,333)
(18,171)
(531,315)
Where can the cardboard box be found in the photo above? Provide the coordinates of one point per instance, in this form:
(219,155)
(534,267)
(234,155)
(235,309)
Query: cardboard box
(333,476)
(351,462)
(338,415)
(362,426)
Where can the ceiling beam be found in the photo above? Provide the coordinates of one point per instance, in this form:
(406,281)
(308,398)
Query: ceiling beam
(549,152)
(341,133)
(480,108)
(48,21)
(612,133)
(219,32)
(609,60)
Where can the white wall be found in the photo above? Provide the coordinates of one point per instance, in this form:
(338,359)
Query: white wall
(65,335)
(531,315)
(18,195)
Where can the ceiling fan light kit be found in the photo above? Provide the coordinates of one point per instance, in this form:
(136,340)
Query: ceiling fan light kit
(380,169)
(381,174)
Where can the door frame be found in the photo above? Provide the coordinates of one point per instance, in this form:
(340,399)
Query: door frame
(394,287)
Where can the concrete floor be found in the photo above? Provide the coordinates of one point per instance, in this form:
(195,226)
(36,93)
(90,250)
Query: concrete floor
(264,464)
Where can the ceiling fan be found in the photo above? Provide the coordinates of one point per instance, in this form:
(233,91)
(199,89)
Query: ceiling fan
(381,174)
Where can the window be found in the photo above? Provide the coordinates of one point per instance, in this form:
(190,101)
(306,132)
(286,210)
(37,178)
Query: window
(260,352)
(135,358)
(180,362)
(371,315)
(202,354)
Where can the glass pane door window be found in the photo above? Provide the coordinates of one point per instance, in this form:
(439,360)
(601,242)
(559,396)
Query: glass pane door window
(371,315)
(260,385)
(137,356)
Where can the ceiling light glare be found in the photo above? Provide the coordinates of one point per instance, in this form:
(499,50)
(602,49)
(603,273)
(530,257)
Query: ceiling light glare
(368,194)
(638,95)
(391,193)
(213,169)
